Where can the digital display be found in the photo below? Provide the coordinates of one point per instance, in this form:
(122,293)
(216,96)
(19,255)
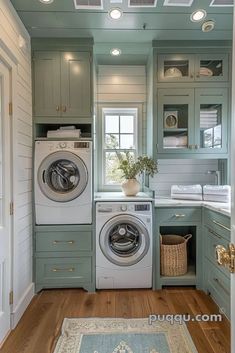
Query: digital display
(81,144)
(142,207)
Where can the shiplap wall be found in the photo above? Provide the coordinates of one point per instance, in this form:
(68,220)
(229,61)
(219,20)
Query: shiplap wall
(182,171)
(123,84)
(20,61)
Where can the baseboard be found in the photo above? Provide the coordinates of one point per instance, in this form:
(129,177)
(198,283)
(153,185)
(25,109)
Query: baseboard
(22,305)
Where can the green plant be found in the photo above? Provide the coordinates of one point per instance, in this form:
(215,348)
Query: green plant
(131,167)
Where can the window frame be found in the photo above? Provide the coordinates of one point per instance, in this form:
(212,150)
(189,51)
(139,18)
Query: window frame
(128,109)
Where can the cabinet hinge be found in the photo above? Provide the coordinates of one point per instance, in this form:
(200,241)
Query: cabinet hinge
(10,108)
(11,208)
(11,297)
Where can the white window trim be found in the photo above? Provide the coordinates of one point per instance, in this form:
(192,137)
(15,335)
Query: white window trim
(110,108)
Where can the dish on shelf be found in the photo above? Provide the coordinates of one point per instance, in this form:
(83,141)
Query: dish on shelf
(173,72)
(204,71)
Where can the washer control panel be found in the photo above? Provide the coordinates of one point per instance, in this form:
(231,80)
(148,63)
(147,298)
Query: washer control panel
(124,207)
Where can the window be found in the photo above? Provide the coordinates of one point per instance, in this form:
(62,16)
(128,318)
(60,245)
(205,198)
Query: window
(119,135)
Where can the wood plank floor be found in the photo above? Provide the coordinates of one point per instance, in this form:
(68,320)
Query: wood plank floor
(40,326)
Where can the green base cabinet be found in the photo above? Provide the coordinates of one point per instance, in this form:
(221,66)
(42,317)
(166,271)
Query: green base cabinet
(64,257)
(180,221)
(216,280)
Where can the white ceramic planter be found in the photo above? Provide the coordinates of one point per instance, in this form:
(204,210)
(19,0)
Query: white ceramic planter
(130,187)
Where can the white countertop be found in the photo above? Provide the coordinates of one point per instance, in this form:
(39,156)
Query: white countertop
(119,196)
(224,208)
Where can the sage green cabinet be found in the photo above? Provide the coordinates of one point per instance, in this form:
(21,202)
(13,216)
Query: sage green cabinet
(64,257)
(181,67)
(192,120)
(62,84)
(216,282)
(180,221)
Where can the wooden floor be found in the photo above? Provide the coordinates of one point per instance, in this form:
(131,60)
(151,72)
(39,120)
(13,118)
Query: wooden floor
(40,326)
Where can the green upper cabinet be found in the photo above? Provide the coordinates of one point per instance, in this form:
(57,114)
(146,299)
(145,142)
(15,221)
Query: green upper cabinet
(192,120)
(62,84)
(192,67)
(47,83)
(211,111)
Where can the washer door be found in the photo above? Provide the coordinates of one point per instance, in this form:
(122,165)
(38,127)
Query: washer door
(124,240)
(62,176)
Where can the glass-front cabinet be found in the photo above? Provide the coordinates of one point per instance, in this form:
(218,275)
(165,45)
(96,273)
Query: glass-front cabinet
(192,67)
(192,120)
(175,120)
(211,119)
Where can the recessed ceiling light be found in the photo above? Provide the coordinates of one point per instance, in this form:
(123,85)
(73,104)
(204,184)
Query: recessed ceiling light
(208,26)
(115,52)
(46,1)
(115,13)
(198,15)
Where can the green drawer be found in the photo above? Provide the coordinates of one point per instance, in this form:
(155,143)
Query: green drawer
(218,222)
(178,214)
(62,271)
(218,285)
(212,239)
(64,241)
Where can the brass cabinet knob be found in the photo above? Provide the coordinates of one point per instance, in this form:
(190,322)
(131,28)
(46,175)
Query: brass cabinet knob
(57,108)
(64,109)
(226,257)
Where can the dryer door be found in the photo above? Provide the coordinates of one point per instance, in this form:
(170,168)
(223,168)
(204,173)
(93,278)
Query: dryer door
(124,240)
(62,176)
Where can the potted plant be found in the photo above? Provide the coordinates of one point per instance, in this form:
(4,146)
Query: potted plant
(131,168)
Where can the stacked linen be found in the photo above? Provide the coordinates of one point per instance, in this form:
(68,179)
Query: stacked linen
(217,193)
(186,192)
(65,131)
(175,142)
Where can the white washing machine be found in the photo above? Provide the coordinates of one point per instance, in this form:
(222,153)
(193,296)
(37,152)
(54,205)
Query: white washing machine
(123,245)
(63,182)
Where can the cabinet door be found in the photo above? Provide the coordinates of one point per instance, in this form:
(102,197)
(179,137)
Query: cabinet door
(175,120)
(211,67)
(76,84)
(46,83)
(211,120)
(176,68)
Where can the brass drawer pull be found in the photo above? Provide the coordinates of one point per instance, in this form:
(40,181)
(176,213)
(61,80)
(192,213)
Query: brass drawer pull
(64,109)
(63,241)
(214,233)
(179,215)
(71,269)
(57,108)
(221,225)
(221,285)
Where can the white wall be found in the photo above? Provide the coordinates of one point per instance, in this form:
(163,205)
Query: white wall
(182,171)
(20,61)
(123,84)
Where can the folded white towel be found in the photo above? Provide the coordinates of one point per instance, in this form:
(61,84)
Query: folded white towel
(217,189)
(175,141)
(216,198)
(186,189)
(64,133)
(195,197)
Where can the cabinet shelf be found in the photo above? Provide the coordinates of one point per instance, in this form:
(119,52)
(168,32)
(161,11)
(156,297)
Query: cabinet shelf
(175,129)
(188,279)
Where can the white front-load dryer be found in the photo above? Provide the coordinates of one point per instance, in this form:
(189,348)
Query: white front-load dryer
(123,245)
(63,182)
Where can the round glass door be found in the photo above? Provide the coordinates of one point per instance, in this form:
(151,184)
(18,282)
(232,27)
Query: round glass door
(62,176)
(124,240)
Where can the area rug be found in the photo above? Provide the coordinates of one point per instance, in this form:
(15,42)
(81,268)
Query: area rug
(96,335)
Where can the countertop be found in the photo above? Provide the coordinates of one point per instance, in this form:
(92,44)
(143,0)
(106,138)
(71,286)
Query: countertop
(223,208)
(119,196)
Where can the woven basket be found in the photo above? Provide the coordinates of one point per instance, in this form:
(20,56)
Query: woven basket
(174,254)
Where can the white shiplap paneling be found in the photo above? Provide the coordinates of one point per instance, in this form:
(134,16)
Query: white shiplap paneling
(20,62)
(183,172)
(123,84)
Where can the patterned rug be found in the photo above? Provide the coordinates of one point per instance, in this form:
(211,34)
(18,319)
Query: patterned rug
(96,335)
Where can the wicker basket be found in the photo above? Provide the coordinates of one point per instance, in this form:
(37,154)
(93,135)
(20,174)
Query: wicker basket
(174,254)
